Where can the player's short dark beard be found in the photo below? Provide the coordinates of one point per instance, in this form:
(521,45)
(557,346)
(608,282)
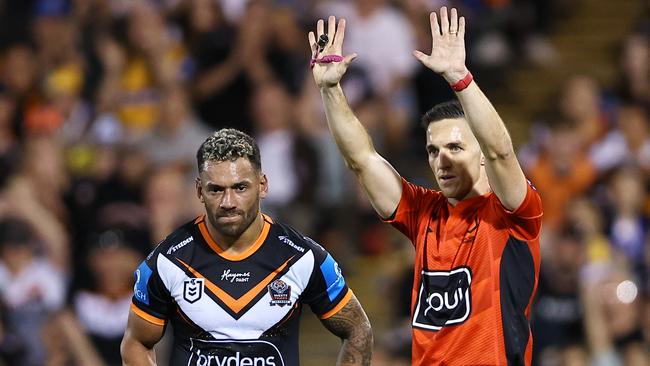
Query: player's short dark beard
(234,231)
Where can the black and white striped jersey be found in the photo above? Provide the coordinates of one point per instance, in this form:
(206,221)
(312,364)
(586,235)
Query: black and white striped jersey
(240,310)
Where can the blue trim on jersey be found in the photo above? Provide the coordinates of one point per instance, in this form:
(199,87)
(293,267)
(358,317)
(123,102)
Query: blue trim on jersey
(142,275)
(333,277)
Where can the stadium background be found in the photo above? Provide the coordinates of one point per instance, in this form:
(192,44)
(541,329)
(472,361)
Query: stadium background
(103,104)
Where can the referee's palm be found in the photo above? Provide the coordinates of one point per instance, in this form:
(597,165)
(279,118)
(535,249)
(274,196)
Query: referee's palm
(448,43)
(329,74)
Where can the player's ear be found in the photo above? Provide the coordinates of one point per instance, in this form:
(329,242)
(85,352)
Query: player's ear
(264,185)
(199,189)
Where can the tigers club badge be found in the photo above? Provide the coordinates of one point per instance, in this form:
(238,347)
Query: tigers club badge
(280,293)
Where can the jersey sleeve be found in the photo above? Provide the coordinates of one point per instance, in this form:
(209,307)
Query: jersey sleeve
(151,299)
(525,222)
(326,292)
(414,201)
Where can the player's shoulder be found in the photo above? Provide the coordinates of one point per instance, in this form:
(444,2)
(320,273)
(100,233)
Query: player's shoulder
(295,239)
(177,240)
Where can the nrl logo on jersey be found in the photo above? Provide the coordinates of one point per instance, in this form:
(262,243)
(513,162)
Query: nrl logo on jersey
(193,289)
(280,293)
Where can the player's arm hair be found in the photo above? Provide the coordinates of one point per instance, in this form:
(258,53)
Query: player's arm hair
(139,338)
(351,324)
(504,173)
(381,182)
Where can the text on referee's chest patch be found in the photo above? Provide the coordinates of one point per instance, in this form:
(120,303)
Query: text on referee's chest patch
(444,299)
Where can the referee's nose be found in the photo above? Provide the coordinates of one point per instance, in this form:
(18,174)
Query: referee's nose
(444,161)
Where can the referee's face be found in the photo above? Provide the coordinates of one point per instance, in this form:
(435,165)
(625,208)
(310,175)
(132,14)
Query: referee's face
(231,192)
(454,157)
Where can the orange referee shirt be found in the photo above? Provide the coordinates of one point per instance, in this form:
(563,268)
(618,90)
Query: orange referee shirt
(476,271)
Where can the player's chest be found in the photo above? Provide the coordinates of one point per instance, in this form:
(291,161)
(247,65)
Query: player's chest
(242,299)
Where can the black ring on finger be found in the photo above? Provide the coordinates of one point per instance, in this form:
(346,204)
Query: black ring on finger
(322,42)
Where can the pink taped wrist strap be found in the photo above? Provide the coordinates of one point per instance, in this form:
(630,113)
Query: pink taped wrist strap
(325,60)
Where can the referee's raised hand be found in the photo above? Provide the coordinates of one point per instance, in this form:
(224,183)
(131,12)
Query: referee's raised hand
(328,63)
(447,56)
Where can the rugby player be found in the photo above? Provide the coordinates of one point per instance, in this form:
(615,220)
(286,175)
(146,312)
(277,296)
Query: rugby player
(232,282)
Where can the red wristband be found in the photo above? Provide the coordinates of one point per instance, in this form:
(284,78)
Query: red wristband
(463,83)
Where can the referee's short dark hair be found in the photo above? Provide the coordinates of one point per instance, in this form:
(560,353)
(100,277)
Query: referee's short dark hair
(445,110)
(228,144)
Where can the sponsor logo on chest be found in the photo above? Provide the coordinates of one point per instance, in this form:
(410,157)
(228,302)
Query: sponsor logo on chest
(444,299)
(231,276)
(234,353)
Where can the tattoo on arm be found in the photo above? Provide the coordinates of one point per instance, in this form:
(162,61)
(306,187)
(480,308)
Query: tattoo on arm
(352,325)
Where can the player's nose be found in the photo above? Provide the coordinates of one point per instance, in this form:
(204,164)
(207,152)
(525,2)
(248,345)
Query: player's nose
(228,200)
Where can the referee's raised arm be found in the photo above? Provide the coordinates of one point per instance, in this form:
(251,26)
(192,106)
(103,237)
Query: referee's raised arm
(447,59)
(378,178)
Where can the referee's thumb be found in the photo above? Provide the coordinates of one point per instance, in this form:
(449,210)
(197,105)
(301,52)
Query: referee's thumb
(347,60)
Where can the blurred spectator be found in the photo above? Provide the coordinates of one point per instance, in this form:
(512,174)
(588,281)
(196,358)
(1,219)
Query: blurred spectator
(170,199)
(635,70)
(134,75)
(19,75)
(581,102)
(557,315)
(12,347)
(561,171)
(288,160)
(42,165)
(610,299)
(382,36)
(31,285)
(178,134)
(627,227)
(103,309)
(628,144)
(220,87)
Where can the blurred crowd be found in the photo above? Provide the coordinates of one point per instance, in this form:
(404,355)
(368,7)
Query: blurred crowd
(103,104)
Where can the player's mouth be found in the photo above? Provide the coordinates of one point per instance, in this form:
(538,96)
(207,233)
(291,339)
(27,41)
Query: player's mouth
(228,218)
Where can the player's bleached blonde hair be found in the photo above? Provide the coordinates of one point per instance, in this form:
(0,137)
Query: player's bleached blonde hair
(228,144)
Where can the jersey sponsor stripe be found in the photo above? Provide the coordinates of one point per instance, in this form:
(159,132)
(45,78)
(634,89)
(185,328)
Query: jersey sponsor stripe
(236,305)
(148,317)
(344,301)
(140,289)
(333,277)
(238,257)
